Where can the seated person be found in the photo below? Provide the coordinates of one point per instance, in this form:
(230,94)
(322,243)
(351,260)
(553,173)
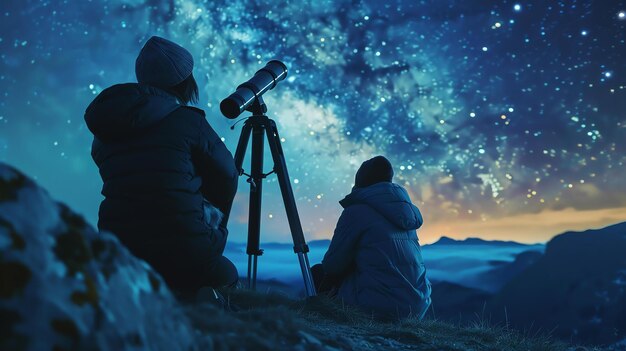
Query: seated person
(169,181)
(374,260)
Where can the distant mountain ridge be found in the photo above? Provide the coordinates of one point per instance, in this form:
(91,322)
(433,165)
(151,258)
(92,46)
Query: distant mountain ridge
(577,288)
(444,240)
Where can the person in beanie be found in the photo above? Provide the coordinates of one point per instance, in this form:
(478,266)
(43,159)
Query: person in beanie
(169,181)
(374,260)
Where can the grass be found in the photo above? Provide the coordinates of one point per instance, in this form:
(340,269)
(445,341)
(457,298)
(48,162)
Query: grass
(270,321)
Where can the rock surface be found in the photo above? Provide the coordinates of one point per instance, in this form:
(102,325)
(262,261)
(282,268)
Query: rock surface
(65,286)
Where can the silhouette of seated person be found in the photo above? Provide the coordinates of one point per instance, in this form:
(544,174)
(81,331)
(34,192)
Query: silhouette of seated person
(374,260)
(169,181)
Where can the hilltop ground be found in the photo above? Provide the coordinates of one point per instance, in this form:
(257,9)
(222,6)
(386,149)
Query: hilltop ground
(273,321)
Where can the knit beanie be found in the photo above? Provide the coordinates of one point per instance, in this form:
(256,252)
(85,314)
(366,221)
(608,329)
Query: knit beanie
(372,171)
(163,63)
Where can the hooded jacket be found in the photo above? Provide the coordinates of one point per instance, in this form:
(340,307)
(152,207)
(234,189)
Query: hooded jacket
(158,161)
(375,250)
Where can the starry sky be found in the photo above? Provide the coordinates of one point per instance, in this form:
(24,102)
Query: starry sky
(503,119)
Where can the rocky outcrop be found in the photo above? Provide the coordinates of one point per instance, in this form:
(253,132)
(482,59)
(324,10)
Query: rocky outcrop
(65,286)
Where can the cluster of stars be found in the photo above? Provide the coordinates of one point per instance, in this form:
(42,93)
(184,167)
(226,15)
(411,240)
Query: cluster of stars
(472,107)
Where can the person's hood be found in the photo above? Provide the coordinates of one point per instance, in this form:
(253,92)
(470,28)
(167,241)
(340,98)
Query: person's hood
(390,200)
(122,110)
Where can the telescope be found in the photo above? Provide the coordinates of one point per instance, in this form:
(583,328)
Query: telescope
(263,80)
(259,128)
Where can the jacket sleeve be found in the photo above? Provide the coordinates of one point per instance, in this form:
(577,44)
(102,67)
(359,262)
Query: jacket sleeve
(216,167)
(339,259)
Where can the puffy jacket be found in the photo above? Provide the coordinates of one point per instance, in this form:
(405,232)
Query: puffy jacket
(158,160)
(375,250)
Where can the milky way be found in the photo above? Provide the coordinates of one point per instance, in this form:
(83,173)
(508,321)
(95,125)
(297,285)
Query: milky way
(488,110)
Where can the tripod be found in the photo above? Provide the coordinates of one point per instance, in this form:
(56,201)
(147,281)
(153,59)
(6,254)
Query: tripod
(259,125)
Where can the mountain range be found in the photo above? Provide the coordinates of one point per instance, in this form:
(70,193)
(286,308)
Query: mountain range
(444,240)
(577,288)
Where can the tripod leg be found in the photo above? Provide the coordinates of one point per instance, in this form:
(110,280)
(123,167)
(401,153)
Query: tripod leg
(252,271)
(242,145)
(299,244)
(256,187)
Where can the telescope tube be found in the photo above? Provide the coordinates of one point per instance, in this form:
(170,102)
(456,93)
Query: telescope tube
(263,80)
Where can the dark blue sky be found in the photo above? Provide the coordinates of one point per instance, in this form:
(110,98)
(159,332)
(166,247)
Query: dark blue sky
(503,119)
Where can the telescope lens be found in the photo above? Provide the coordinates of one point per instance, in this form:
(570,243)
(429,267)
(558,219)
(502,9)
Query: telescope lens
(263,80)
(231,107)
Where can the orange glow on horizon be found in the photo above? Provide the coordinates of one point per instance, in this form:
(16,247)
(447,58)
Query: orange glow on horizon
(524,228)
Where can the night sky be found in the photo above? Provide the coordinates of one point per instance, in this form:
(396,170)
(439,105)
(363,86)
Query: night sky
(503,119)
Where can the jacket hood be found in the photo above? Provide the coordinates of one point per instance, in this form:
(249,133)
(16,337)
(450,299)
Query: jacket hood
(122,110)
(390,200)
